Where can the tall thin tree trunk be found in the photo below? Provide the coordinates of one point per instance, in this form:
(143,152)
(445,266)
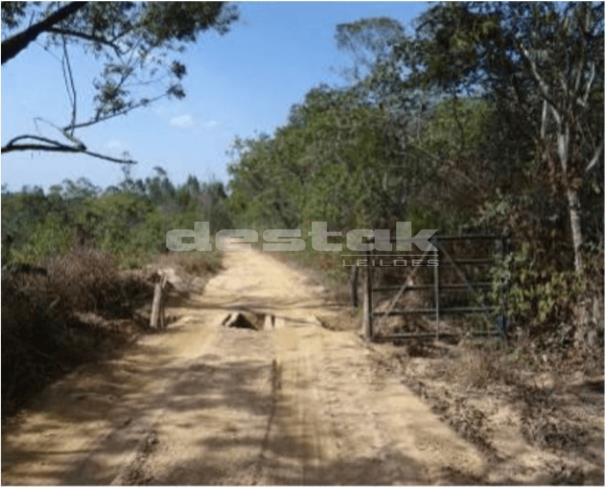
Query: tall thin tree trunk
(571,190)
(573,203)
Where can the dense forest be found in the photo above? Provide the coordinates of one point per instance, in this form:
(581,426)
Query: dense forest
(485,117)
(128,221)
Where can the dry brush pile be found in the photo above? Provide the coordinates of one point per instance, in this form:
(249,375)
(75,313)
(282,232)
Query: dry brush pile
(63,313)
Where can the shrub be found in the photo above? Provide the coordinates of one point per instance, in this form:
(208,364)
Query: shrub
(84,280)
(480,366)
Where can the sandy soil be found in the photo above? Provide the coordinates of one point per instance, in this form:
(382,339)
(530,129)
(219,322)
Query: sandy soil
(541,430)
(206,404)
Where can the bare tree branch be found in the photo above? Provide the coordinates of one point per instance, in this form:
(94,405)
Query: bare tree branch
(50,145)
(583,101)
(12,143)
(99,119)
(87,37)
(117,160)
(595,158)
(544,88)
(70,86)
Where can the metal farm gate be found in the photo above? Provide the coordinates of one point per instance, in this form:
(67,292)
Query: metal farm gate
(457,286)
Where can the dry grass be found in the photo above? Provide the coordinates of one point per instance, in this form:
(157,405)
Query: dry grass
(481,366)
(42,330)
(85,280)
(489,392)
(72,310)
(198,263)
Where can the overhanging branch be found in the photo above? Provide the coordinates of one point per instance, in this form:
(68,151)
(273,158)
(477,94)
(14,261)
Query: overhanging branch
(35,142)
(104,118)
(87,37)
(16,43)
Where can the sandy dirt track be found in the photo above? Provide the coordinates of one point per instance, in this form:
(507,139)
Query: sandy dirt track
(205,404)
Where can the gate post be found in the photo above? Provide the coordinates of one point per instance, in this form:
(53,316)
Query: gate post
(353,283)
(436,297)
(367,300)
(506,285)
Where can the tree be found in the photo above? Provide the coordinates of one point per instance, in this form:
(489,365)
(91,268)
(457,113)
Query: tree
(541,63)
(133,41)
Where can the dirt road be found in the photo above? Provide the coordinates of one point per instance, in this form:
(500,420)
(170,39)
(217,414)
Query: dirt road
(205,404)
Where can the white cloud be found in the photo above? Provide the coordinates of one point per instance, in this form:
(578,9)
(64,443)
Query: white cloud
(182,121)
(210,124)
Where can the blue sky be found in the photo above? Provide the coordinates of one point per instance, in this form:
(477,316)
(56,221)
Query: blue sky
(240,84)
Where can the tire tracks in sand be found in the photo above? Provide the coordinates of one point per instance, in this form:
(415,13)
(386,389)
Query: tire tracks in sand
(205,404)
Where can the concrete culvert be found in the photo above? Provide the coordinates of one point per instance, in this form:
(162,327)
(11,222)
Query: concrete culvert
(247,319)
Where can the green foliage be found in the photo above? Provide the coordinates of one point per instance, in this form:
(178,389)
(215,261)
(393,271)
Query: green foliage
(460,126)
(128,222)
(535,291)
(335,160)
(47,238)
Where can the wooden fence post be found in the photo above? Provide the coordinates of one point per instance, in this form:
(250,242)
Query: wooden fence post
(354,285)
(505,243)
(436,299)
(157,319)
